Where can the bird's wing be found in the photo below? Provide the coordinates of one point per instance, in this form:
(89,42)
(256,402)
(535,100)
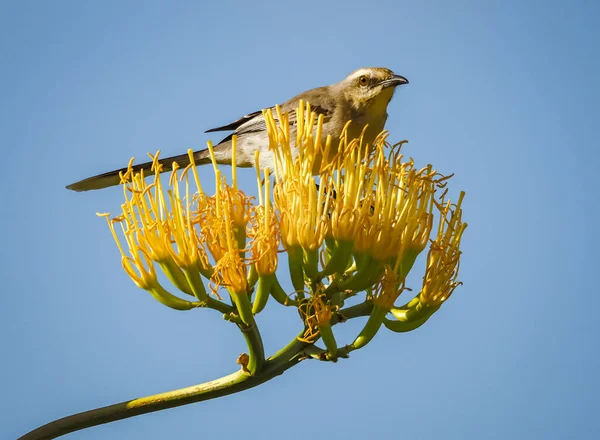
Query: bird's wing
(255,123)
(316,109)
(251,123)
(236,124)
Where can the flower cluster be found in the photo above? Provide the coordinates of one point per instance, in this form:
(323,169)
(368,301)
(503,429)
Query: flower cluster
(352,217)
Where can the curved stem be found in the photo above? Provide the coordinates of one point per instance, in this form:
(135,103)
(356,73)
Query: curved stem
(371,327)
(224,386)
(255,348)
(219,306)
(362,309)
(288,357)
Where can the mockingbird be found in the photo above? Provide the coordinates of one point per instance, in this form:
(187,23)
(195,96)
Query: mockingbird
(362,98)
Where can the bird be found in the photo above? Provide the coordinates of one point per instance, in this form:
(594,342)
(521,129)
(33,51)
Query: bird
(362,97)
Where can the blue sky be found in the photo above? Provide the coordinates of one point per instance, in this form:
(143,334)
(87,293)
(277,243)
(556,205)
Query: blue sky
(503,94)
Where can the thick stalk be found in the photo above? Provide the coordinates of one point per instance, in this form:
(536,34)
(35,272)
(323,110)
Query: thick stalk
(286,358)
(224,386)
(256,349)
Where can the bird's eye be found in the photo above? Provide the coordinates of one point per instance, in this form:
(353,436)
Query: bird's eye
(363,80)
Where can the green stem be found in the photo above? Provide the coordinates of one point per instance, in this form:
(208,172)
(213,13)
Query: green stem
(329,340)
(279,294)
(263,290)
(240,236)
(371,327)
(311,264)
(340,257)
(407,263)
(172,301)
(286,358)
(296,270)
(233,383)
(243,306)
(410,316)
(405,326)
(252,275)
(206,272)
(364,278)
(194,281)
(256,349)
(175,274)
(219,306)
(362,309)
(294,347)
(329,247)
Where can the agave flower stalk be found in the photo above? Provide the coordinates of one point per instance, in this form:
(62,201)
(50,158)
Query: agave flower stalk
(352,218)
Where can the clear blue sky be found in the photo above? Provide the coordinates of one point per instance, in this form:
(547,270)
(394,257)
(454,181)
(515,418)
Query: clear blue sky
(503,94)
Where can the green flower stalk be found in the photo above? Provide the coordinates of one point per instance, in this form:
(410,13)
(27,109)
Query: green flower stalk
(353,219)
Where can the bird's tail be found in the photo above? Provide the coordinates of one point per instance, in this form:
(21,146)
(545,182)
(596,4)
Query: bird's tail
(112,178)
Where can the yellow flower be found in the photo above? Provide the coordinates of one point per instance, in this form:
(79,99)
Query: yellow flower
(224,226)
(264,231)
(302,207)
(221,221)
(230,272)
(136,261)
(388,289)
(444,256)
(316,314)
(352,181)
(161,228)
(401,201)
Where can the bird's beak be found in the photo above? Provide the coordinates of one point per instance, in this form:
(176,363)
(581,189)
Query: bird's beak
(393,81)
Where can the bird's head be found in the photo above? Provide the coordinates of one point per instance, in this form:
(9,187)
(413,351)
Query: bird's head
(370,88)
